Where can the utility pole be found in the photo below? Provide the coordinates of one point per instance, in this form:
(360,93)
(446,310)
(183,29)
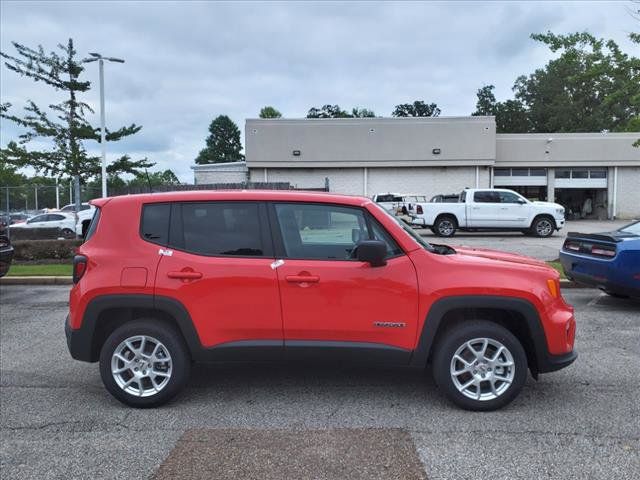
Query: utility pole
(103,133)
(57,195)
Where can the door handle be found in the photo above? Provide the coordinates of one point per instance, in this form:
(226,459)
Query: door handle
(302,278)
(188,275)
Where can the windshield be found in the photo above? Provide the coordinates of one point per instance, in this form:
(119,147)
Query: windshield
(426,245)
(634,228)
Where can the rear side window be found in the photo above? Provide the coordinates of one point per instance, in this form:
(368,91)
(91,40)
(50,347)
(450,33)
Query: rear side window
(221,228)
(93,226)
(155,223)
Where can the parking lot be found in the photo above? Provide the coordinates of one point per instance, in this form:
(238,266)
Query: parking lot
(57,420)
(515,242)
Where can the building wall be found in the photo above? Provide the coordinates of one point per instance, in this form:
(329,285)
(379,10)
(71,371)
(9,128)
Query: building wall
(628,195)
(423,180)
(220,177)
(370,142)
(341,180)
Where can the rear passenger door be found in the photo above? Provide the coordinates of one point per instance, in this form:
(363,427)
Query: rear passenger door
(218,265)
(484,210)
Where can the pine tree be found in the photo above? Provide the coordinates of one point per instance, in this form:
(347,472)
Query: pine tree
(69,128)
(223,142)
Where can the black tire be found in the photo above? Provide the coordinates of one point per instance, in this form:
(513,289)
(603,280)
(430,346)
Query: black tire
(543,226)
(455,338)
(170,338)
(445,226)
(615,295)
(68,233)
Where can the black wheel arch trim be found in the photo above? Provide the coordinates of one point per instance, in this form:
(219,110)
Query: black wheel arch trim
(544,361)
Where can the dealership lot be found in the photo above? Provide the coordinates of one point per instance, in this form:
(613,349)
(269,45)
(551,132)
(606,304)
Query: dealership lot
(58,421)
(515,242)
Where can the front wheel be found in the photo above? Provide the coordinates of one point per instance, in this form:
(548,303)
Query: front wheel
(144,363)
(542,227)
(480,365)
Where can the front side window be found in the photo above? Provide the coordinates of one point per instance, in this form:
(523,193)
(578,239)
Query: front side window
(221,228)
(326,232)
(508,197)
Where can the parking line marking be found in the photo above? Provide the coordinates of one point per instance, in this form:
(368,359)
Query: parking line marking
(595,300)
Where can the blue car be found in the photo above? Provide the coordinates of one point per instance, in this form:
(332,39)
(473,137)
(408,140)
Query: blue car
(609,261)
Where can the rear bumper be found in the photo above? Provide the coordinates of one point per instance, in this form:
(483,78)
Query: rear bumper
(78,342)
(6,254)
(603,284)
(602,274)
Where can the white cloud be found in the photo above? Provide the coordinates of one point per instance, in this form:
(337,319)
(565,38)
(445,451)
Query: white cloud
(187,62)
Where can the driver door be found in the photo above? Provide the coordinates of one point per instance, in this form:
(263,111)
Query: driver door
(333,304)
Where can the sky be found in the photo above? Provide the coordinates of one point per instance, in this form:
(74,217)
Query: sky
(187,62)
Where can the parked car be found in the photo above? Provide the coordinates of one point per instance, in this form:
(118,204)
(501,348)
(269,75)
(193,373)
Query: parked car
(609,261)
(166,279)
(446,198)
(405,206)
(6,254)
(491,209)
(71,207)
(65,222)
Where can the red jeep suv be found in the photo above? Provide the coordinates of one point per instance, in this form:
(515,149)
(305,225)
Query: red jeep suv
(164,280)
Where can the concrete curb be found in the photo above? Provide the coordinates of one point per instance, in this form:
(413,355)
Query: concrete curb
(69,281)
(36,281)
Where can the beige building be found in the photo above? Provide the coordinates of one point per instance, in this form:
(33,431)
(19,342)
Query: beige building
(592,174)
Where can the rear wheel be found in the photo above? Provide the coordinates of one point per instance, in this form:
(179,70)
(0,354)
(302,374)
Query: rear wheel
(445,226)
(480,365)
(144,363)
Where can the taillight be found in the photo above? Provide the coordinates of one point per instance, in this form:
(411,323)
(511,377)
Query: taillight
(572,246)
(603,251)
(419,210)
(79,267)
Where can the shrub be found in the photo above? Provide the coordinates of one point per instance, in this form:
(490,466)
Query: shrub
(28,250)
(46,233)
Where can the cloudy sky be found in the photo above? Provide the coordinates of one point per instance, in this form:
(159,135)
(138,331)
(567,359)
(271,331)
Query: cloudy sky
(187,62)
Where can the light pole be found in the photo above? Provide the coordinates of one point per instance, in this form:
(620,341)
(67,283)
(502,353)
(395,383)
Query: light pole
(103,143)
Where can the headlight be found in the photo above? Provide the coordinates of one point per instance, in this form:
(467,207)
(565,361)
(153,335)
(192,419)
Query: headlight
(560,211)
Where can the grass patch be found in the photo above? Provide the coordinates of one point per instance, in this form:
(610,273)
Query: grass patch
(558,266)
(39,270)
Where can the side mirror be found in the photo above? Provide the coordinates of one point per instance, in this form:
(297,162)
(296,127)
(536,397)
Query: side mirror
(373,252)
(520,201)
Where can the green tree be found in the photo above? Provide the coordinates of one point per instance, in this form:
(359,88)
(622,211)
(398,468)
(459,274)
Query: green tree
(160,178)
(416,109)
(591,86)
(328,111)
(511,116)
(362,113)
(269,112)
(68,129)
(223,143)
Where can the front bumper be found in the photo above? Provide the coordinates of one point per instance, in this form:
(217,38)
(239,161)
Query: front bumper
(551,363)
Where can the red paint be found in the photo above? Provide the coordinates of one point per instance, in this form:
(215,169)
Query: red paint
(234,298)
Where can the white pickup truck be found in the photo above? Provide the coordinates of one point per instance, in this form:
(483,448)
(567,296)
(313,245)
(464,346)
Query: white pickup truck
(491,209)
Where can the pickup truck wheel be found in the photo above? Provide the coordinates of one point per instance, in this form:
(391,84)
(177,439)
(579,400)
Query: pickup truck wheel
(542,227)
(144,363)
(480,366)
(445,226)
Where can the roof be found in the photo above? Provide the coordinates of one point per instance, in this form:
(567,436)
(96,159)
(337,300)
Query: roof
(237,195)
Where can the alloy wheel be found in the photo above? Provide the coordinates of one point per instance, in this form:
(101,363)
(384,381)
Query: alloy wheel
(482,369)
(544,228)
(141,366)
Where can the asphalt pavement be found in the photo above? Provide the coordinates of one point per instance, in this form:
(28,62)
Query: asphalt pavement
(57,420)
